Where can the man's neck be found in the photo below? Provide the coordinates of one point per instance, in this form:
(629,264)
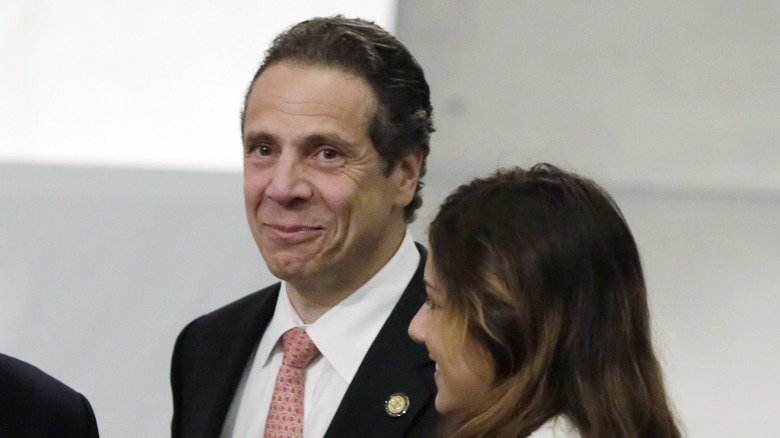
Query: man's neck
(313,299)
(310,306)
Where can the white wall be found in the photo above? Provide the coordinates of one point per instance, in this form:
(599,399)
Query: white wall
(139,83)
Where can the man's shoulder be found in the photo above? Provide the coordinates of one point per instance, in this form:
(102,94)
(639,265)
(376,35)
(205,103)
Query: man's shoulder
(210,354)
(32,400)
(243,305)
(19,377)
(233,317)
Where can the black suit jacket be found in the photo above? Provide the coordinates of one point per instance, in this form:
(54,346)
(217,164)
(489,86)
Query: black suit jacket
(212,352)
(36,405)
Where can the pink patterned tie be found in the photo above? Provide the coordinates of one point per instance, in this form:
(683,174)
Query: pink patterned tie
(285,417)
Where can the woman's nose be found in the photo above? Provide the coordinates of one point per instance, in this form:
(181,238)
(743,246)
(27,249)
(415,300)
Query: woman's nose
(417,326)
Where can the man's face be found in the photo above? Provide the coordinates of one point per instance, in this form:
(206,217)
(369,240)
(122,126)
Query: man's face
(321,210)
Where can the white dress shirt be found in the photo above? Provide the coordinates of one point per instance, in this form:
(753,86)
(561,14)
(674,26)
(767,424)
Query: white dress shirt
(343,335)
(557,427)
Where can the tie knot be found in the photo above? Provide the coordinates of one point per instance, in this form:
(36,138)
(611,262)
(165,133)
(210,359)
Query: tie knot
(299,350)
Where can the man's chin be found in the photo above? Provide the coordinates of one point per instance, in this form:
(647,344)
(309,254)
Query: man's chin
(291,270)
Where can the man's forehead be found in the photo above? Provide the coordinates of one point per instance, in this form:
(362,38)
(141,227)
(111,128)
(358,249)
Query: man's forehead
(299,77)
(312,94)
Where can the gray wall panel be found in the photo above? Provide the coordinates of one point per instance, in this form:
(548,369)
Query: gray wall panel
(674,107)
(101,268)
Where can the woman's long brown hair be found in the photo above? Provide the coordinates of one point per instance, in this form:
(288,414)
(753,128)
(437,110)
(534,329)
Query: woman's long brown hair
(541,268)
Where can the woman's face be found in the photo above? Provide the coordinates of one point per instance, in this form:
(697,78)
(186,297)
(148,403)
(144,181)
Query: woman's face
(464,371)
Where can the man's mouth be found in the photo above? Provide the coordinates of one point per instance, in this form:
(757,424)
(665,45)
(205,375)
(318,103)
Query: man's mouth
(292,232)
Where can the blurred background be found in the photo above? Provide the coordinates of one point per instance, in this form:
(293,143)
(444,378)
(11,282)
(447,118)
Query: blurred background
(121,209)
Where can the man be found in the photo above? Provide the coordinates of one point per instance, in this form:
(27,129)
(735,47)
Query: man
(34,404)
(336,129)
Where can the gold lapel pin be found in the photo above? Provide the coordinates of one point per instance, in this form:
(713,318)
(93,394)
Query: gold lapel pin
(397,404)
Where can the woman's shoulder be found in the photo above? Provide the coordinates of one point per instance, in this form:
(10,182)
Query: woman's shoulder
(557,427)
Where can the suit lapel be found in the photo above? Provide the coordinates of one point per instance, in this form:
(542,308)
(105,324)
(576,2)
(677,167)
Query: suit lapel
(393,364)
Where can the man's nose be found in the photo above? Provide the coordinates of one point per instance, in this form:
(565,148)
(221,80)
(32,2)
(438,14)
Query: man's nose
(288,181)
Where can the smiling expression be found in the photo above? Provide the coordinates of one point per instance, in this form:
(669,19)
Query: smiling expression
(464,371)
(320,207)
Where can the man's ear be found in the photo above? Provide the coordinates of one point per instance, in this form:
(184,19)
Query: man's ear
(407,172)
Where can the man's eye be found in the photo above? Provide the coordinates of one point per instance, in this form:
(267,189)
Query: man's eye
(327,157)
(264,150)
(329,154)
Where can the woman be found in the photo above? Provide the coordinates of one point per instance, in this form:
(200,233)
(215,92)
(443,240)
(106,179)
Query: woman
(537,313)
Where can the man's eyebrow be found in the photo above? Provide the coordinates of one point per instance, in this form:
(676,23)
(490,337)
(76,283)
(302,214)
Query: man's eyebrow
(259,137)
(314,139)
(333,139)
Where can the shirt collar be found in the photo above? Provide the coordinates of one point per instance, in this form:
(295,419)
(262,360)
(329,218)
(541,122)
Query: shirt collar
(284,319)
(345,332)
